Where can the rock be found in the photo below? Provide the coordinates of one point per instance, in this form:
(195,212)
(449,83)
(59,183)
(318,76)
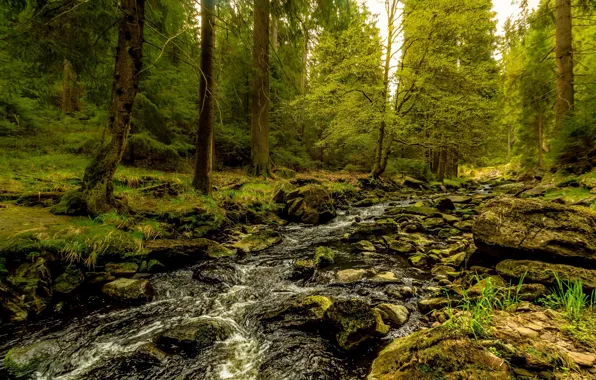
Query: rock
(98,277)
(395,315)
(431,304)
(193,336)
(418,260)
(437,353)
(583,359)
(366,202)
(34,282)
(285,173)
(432,223)
(479,288)
(446,233)
(546,273)
(178,252)
(459,199)
(155,266)
(149,353)
(401,246)
(456,260)
(127,290)
(12,306)
(350,275)
(216,273)
(258,241)
(309,310)
(365,246)
(122,269)
(310,204)
(303,269)
(23,362)
(442,269)
(417,210)
(281,191)
(445,204)
(354,322)
(414,183)
(68,281)
(569,182)
(464,225)
(537,191)
(384,277)
(323,256)
(379,228)
(530,292)
(450,218)
(512,228)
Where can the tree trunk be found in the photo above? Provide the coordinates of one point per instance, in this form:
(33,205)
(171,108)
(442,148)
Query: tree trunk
(304,62)
(260,96)
(70,101)
(564,52)
(274,31)
(204,159)
(442,165)
(540,128)
(98,187)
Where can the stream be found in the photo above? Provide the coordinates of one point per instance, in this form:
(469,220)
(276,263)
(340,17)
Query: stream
(100,344)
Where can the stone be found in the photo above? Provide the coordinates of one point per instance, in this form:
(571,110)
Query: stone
(582,359)
(395,315)
(23,362)
(354,322)
(68,281)
(435,303)
(155,266)
(380,227)
(216,273)
(446,233)
(366,202)
(511,228)
(127,290)
(432,223)
(122,269)
(456,260)
(526,332)
(281,191)
(178,252)
(98,277)
(442,269)
(365,246)
(309,310)
(258,241)
(478,289)
(451,219)
(530,292)
(418,260)
(401,246)
(546,273)
(192,336)
(303,269)
(384,277)
(324,256)
(460,198)
(310,204)
(464,225)
(350,275)
(445,204)
(150,353)
(33,281)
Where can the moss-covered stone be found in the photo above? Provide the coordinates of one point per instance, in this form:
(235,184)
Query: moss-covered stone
(155,266)
(310,204)
(365,246)
(446,233)
(68,281)
(488,282)
(34,282)
(177,252)
(72,203)
(192,336)
(379,228)
(122,269)
(395,315)
(546,273)
(324,256)
(418,260)
(309,310)
(127,290)
(303,269)
(22,362)
(401,246)
(258,241)
(281,191)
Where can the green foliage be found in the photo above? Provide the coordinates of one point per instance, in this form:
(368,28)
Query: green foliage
(570,297)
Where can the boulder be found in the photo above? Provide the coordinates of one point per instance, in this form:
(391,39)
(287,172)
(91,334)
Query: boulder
(418,260)
(401,246)
(438,353)
(323,256)
(379,228)
(33,281)
(12,306)
(480,287)
(216,273)
(258,241)
(303,269)
(122,269)
(350,275)
(155,266)
(281,191)
(414,183)
(309,310)
(128,290)
(193,336)
(511,228)
(310,204)
(445,204)
(68,281)
(395,315)
(546,273)
(354,322)
(179,252)
(23,362)
(365,246)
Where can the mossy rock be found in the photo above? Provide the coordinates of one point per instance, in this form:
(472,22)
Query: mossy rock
(177,252)
(68,281)
(310,204)
(446,233)
(303,269)
(395,315)
(401,246)
(258,241)
(546,273)
(129,291)
(439,353)
(489,282)
(23,362)
(379,228)
(192,336)
(72,203)
(285,173)
(34,282)
(281,191)
(155,266)
(122,269)
(365,246)
(324,256)
(418,260)
(306,311)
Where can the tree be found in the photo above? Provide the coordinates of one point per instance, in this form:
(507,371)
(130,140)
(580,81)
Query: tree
(564,52)
(98,187)
(261,164)
(204,156)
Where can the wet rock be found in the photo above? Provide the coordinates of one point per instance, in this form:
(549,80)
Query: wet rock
(401,246)
(68,281)
(430,304)
(395,315)
(417,210)
(442,269)
(150,353)
(258,241)
(303,269)
(379,228)
(155,266)
(122,269)
(511,228)
(465,225)
(23,362)
(310,204)
(191,337)
(34,282)
(12,306)
(354,322)
(450,218)
(445,204)
(365,246)
(178,252)
(433,223)
(384,277)
(281,191)
(216,273)
(437,353)
(460,198)
(367,202)
(455,260)
(309,310)
(546,273)
(446,233)
(350,275)
(324,256)
(127,290)
(418,260)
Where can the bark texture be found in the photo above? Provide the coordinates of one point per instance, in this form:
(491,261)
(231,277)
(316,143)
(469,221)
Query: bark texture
(70,92)
(564,52)
(204,163)
(98,188)
(260,97)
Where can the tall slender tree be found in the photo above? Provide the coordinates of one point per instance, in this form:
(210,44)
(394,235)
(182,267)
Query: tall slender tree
(204,157)
(261,164)
(98,187)
(564,52)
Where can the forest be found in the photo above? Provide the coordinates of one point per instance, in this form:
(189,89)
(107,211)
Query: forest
(298,189)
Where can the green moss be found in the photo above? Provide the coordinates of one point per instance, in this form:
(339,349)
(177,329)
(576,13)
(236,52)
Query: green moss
(324,256)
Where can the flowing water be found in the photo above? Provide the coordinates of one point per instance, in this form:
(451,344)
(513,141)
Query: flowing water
(100,345)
